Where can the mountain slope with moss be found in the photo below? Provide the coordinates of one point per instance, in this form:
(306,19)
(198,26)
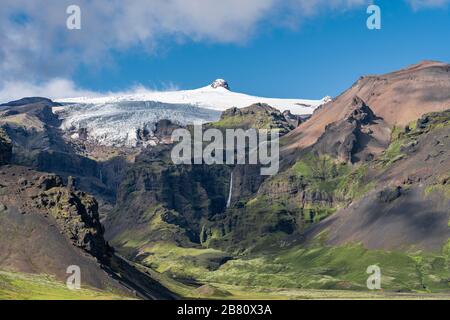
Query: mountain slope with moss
(362,185)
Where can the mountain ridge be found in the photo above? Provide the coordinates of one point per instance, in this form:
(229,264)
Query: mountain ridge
(398,97)
(361,188)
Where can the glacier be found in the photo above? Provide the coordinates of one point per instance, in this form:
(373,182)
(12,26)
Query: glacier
(114,120)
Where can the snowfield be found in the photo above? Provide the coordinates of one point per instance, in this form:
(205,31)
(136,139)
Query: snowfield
(114,120)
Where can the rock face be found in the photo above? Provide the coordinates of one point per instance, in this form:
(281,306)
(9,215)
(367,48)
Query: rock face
(161,133)
(41,145)
(46,226)
(362,179)
(293,119)
(408,204)
(256,116)
(154,189)
(360,136)
(5,148)
(75,212)
(220,83)
(336,172)
(30,100)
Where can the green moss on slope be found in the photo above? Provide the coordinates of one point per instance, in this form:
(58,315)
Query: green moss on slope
(21,286)
(342,267)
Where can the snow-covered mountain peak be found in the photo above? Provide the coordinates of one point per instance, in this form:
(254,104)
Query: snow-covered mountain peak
(220,83)
(116,120)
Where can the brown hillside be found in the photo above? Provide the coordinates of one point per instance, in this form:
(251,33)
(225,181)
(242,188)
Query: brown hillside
(398,98)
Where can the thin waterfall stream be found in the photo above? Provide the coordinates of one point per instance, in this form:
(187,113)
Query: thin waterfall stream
(231,191)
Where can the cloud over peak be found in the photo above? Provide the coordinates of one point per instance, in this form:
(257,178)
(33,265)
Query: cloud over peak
(37,46)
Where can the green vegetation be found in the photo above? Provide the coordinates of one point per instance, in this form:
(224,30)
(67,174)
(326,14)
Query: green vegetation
(444,189)
(336,268)
(446,249)
(259,122)
(154,227)
(258,116)
(339,180)
(318,271)
(441,185)
(305,194)
(21,286)
(402,139)
(261,233)
(243,292)
(181,262)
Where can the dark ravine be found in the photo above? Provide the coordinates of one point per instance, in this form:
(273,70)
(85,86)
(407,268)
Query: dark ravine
(5,147)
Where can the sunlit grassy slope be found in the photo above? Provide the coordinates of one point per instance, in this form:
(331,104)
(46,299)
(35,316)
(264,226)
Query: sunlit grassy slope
(20,286)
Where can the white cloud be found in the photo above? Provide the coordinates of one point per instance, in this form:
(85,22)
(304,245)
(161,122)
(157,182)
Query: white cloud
(419,4)
(36,46)
(39,46)
(55,88)
(59,88)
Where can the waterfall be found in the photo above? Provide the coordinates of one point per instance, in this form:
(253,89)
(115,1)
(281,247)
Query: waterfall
(231,191)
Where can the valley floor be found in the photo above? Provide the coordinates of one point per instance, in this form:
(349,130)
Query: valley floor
(242,293)
(19,286)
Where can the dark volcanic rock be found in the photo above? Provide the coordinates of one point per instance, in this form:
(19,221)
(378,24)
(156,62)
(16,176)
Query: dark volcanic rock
(351,140)
(220,83)
(408,206)
(5,148)
(164,129)
(30,100)
(293,119)
(390,194)
(256,116)
(182,196)
(75,212)
(46,227)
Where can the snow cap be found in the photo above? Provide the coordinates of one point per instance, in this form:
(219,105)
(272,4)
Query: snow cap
(220,83)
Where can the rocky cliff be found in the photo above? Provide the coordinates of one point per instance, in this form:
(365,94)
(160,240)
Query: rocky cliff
(5,147)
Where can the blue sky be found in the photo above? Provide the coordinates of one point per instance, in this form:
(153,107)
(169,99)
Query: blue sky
(323,56)
(322,53)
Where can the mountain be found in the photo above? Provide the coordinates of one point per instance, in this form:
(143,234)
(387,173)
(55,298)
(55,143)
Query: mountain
(47,223)
(398,98)
(29,100)
(409,202)
(363,181)
(116,120)
(217,96)
(369,187)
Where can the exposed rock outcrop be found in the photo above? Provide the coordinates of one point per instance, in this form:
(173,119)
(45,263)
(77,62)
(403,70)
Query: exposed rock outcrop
(154,189)
(30,100)
(408,203)
(220,83)
(293,119)
(5,147)
(75,212)
(256,116)
(46,227)
(355,138)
